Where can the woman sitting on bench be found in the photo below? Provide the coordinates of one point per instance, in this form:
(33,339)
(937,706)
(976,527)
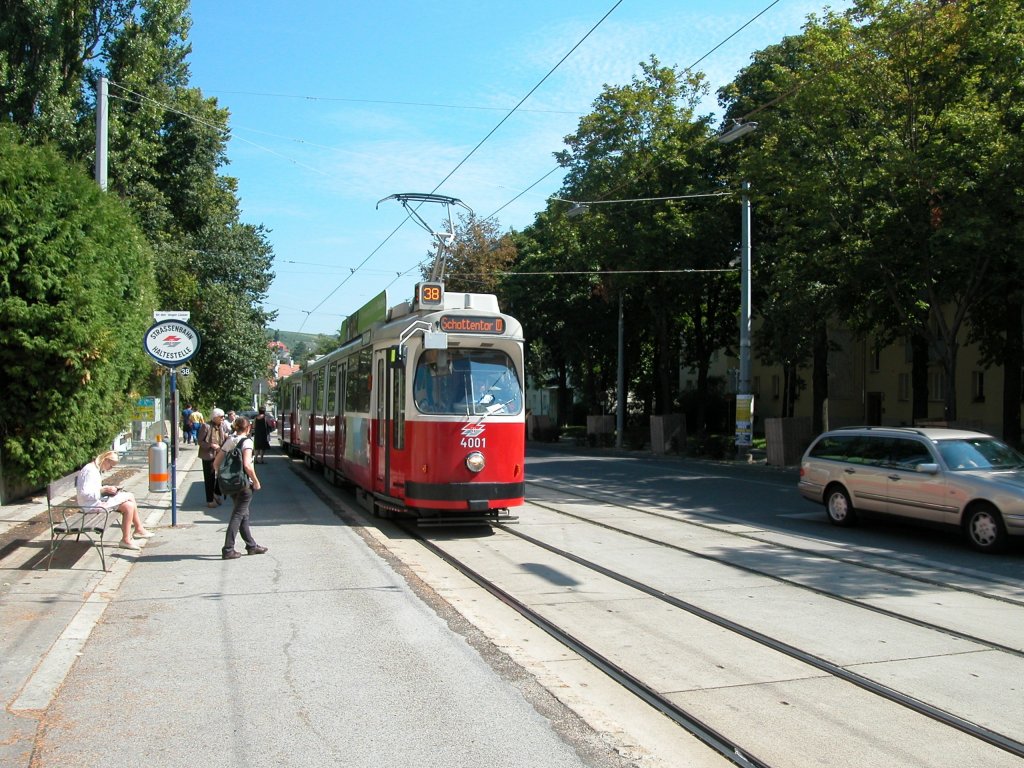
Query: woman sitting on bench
(92,493)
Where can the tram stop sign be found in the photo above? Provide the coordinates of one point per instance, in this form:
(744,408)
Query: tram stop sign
(171,342)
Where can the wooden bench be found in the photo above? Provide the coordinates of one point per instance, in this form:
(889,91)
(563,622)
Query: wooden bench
(68,518)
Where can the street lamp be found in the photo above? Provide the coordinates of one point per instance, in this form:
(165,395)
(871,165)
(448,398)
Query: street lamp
(744,397)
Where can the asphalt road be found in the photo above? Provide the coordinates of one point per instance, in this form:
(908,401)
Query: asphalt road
(752,494)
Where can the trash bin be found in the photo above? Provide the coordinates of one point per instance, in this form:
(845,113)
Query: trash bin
(159,474)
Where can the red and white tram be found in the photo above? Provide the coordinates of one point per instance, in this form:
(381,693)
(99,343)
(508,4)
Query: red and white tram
(421,408)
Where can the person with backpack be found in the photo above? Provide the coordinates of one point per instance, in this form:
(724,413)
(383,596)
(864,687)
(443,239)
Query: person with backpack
(236,477)
(212,435)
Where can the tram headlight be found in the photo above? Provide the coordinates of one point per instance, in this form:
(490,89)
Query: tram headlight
(475,461)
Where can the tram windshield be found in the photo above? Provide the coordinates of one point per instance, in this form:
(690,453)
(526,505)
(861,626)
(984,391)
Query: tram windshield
(467,382)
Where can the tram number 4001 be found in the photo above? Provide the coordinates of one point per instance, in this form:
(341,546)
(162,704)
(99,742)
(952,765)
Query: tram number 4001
(473,442)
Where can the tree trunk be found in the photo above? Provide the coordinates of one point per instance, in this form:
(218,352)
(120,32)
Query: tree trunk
(819,378)
(564,401)
(1013,359)
(702,399)
(919,377)
(789,393)
(663,393)
(949,356)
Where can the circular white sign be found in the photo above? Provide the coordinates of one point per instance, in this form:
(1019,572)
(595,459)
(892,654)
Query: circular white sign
(171,342)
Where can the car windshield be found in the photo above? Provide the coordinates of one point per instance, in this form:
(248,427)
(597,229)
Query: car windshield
(979,453)
(461,382)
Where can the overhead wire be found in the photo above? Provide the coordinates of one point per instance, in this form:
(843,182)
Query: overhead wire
(690,68)
(470,154)
(395,103)
(142,98)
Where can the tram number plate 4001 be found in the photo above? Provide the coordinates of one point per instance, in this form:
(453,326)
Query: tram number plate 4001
(473,442)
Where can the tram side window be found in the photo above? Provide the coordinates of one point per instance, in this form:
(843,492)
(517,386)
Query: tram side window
(467,382)
(357,383)
(382,399)
(398,398)
(332,389)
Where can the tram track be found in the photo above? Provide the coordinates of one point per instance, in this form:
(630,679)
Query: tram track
(817,553)
(1005,743)
(794,583)
(693,724)
(703,722)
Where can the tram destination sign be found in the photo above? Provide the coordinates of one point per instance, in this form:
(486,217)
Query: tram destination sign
(493,326)
(171,342)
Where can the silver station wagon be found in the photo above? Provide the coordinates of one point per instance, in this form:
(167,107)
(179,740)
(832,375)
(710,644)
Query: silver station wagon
(951,477)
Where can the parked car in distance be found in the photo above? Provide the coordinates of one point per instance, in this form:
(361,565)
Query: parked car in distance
(957,478)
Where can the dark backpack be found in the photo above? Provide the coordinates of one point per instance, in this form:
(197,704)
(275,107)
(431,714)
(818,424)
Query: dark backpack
(231,476)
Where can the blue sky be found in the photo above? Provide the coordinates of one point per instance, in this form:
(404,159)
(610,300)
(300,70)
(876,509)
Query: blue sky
(337,104)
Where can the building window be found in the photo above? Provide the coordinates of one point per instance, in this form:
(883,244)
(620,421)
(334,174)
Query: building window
(875,359)
(978,386)
(755,386)
(903,384)
(775,386)
(937,386)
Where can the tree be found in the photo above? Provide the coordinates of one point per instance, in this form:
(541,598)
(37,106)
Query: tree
(77,293)
(477,256)
(555,292)
(799,191)
(644,141)
(997,321)
(167,147)
(872,165)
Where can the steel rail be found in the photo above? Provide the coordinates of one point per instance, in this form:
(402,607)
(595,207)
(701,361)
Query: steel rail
(705,733)
(793,583)
(892,571)
(999,740)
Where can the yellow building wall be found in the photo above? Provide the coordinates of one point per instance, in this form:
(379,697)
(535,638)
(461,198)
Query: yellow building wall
(866,388)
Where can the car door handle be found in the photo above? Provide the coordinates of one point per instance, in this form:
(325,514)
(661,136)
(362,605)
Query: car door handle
(850,471)
(894,477)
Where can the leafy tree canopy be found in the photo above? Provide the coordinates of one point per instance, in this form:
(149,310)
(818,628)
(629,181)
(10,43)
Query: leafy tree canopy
(77,293)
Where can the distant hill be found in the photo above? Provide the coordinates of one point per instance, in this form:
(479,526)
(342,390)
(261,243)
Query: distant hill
(291,339)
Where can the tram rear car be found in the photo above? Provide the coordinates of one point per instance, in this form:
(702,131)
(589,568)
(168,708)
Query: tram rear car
(421,409)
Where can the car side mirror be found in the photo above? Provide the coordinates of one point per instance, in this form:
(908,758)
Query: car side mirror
(930,469)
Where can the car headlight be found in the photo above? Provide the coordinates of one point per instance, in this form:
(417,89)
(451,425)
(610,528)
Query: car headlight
(475,461)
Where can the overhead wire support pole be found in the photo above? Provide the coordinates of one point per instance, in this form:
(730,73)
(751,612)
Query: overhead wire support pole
(744,397)
(102,101)
(745,308)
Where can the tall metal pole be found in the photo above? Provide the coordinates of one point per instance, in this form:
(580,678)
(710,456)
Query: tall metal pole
(744,398)
(174,447)
(620,400)
(745,292)
(101,133)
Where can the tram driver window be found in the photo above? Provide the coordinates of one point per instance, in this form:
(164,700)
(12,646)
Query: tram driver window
(478,382)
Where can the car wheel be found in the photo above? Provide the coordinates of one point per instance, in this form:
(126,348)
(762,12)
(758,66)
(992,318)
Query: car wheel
(984,529)
(838,506)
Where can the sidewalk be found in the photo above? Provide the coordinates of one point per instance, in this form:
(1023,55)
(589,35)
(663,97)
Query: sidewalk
(315,654)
